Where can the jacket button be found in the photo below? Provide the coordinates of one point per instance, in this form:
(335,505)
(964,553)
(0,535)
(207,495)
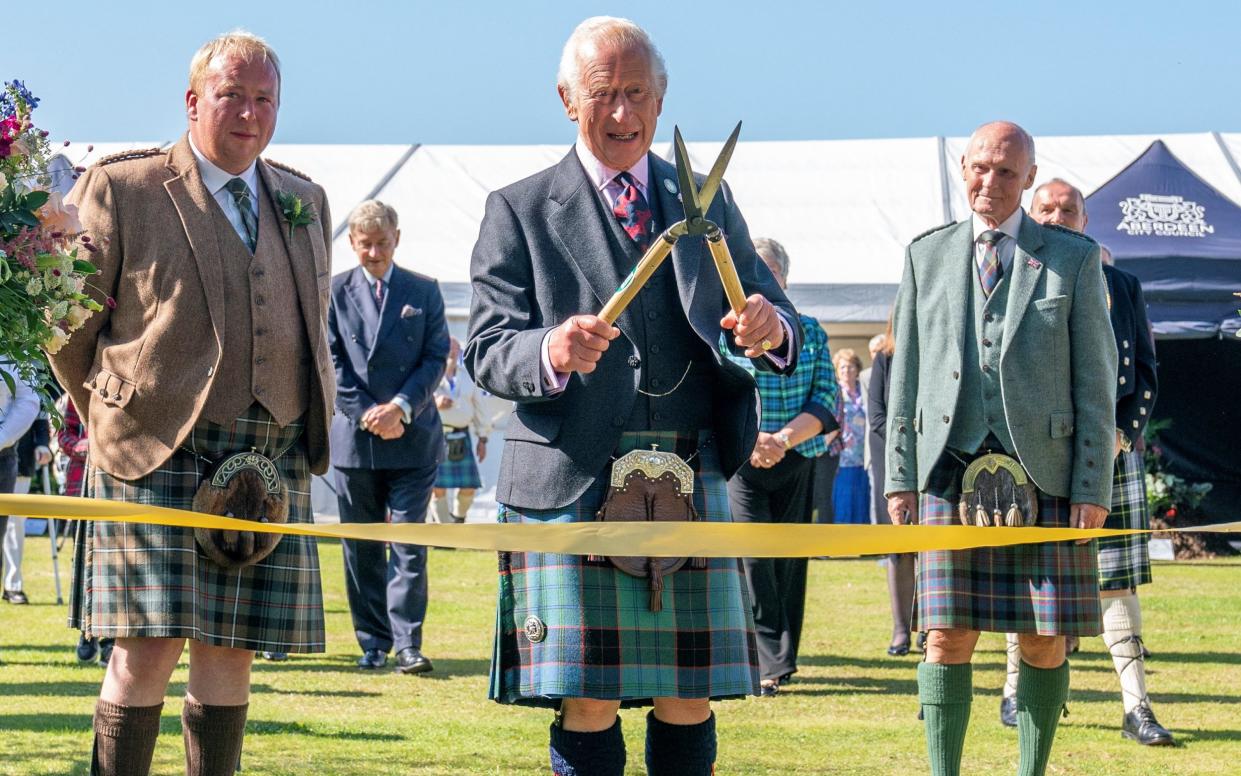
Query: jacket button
(900,469)
(259,361)
(116,397)
(986,367)
(1089,464)
(988,317)
(652,315)
(1086,443)
(1085,483)
(947,419)
(634,362)
(956,375)
(1122,380)
(619,421)
(900,429)
(103,392)
(986,343)
(654,348)
(657,416)
(1126,344)
(656,383)
(990,419)
(900,449)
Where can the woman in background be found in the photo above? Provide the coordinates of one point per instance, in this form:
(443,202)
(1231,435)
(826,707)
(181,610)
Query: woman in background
(851,491)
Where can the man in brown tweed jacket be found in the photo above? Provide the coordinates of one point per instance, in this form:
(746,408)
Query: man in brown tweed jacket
(216,268)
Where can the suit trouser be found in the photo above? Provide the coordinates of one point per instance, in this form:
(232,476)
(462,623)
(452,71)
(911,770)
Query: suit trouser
(15,541)
(8,480)
(780,494)
(387,595)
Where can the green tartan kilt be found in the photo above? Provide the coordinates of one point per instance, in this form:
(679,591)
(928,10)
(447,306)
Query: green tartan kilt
(598,638)
(460,474)
(1050,589)
(136,580)
(1125,561)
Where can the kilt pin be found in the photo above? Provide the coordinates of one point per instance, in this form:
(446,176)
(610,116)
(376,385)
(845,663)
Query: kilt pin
(576,627)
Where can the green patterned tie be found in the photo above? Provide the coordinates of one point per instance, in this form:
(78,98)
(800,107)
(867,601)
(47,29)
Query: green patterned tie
(241,196)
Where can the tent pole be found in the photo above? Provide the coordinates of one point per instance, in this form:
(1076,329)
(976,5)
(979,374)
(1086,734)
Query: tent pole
(945,193)
(344,224)
(1223,147)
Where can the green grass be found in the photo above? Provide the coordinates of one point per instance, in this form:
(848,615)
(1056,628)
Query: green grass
(851,711)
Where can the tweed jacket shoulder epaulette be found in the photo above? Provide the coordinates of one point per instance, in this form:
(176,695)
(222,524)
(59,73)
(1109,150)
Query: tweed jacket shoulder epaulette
(137,153)
(287,169)
(1074,233)
(933,231)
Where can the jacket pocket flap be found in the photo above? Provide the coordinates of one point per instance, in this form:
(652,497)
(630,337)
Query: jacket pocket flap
(1050,303)
(1061,424)
(531,427)
(111,389)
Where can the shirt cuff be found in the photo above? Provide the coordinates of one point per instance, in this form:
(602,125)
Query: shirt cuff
(781,361)
(406,410)
(553,382)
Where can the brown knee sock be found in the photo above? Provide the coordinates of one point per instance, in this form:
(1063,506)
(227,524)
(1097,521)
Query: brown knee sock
(212,738)
(124,739)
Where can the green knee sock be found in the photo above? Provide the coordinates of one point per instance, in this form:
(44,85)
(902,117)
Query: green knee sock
(1041,694)
(945,692)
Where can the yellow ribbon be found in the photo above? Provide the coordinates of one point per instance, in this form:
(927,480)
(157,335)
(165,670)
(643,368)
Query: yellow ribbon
(655,539)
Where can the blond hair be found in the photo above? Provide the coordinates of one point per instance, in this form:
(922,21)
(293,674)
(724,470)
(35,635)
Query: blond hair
(239,43)
(847,354)
(597,32)
(372,215)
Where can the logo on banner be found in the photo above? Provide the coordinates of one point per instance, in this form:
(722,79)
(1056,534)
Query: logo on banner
(1163,216)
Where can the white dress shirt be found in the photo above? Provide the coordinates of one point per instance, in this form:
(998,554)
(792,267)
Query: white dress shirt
(215,179)
(18,409)
(1007,247)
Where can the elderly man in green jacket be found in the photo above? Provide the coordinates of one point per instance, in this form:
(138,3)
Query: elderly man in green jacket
(1004,348)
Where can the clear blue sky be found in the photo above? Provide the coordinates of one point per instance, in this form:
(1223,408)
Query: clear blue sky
(484,72)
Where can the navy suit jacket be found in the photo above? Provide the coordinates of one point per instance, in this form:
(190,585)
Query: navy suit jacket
(378,355)
(1136,382)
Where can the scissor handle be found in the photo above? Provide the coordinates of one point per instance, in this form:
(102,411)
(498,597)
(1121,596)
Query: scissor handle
(641,273)
(728,271)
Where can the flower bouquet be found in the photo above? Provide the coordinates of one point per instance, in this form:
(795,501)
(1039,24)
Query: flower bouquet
(43,282)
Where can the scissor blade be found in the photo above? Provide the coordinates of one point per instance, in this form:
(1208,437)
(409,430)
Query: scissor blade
(685,174)
(712,184)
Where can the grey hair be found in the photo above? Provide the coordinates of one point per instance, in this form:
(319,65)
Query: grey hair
(371,215)
(241,43)
(773,250)
(1080,196)
(1027,140)
(598,31)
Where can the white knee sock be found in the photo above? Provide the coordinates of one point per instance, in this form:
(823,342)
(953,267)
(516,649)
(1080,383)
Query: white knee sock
(461,504)
(439,509)
(1014,664)
(1122,633)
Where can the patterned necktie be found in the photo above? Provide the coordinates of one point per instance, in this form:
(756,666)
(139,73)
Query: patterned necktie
(990,270)
(241,197)
(633,212)
(379,294)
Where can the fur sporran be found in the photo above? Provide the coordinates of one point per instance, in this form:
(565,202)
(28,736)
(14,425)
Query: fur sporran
(246,486)
(649,485)
(457,441)
(996,491)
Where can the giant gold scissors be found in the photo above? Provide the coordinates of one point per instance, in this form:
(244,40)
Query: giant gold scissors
(695,202)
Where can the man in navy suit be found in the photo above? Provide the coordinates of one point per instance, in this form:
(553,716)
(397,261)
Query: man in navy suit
(389,342)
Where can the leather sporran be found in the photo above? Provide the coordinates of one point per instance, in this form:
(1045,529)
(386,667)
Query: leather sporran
(246,486)
(650,485)
(458,444)
(996,491)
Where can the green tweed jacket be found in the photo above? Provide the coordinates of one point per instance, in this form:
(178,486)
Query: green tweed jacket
(1057,363)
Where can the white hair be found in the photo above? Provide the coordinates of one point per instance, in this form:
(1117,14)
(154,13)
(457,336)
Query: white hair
(774,251)
(240,43)
(597,32)
(372,215)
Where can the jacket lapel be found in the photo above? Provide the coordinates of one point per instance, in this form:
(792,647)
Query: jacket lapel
(394,298)
(194,205)
(301,252)
(961,243)
(577,224)
(358,293)
(1025,273)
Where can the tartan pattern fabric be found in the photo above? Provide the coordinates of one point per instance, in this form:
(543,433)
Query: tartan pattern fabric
(989,268)
(1051,589)
(784,397)
(1125,561)
(463,473)
(633,212)
(134,580)
(601,640)
(71,432)
(245,205)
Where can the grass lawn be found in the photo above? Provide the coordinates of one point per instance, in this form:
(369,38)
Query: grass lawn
(852,709)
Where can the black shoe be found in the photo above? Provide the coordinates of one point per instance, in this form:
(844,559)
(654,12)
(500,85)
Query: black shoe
(1140,725)
(274,657)
(922,641)
(768,689)
(88,649)
(105,651)
(16,597)
(373,658)
(899,650)
(1008,712)
(411,661)
(1146,653)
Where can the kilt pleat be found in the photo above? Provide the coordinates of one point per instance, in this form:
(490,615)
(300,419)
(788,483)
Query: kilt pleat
(600,640)
(460,474)
(1124,561)
(1050,589)
(136,580)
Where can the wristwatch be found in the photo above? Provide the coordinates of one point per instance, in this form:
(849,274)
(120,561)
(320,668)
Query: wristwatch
(783,439)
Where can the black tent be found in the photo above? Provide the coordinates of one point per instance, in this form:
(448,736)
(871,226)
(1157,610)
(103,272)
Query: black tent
(1182,238)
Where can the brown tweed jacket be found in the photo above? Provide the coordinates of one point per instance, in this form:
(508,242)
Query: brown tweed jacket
(141,373)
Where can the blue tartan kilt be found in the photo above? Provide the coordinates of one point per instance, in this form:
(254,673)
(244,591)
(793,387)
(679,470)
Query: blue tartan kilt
(1051,589)
(1125,561)
(599,638)
(463,473)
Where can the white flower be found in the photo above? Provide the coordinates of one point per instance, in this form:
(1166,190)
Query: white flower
(3,181)
(55,341)
(34,287)
(76,316)
(60,310)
